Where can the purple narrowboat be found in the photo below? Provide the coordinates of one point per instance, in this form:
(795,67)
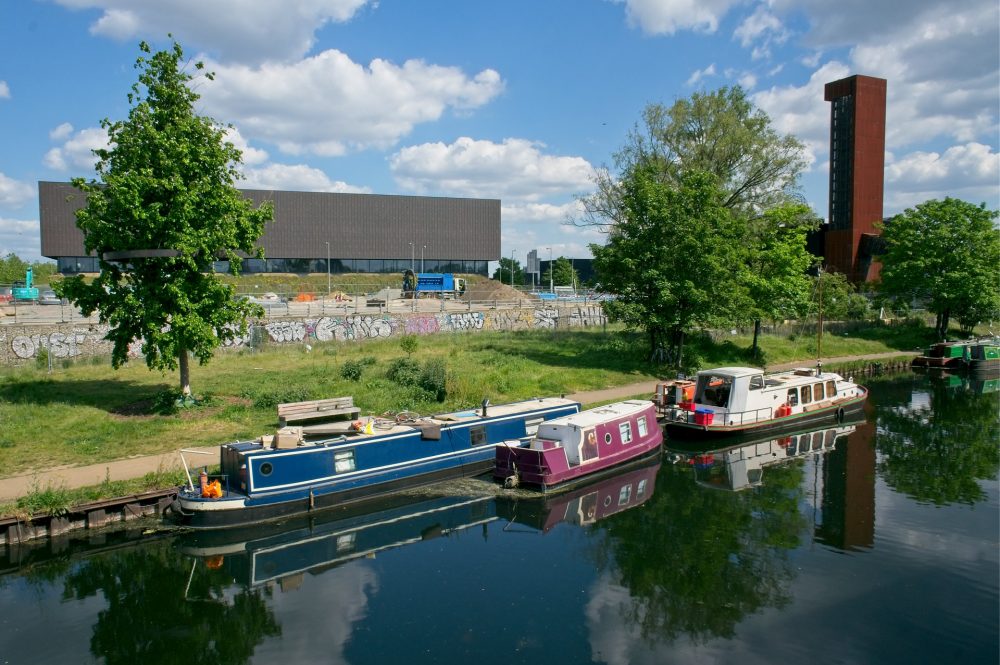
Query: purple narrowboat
(581,446)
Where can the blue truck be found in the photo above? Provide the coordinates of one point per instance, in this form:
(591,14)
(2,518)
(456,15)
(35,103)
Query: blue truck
(434,283)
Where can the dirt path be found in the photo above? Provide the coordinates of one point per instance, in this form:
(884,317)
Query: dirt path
(136,467)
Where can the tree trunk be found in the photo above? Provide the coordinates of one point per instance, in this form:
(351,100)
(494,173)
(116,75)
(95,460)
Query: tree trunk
(185,371)
(754,351)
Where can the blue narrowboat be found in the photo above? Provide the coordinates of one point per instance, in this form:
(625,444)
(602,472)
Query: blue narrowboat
(260,482)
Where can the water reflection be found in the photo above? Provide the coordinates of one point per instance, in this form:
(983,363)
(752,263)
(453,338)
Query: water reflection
(937,446)
(705,556)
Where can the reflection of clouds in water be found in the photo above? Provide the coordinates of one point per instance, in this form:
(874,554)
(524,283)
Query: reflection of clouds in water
(317,618)
(613,637)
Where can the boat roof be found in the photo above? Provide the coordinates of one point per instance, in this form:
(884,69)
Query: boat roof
(601,414)
(732,371)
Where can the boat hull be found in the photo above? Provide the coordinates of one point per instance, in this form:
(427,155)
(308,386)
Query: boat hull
(191,510)
(835,413)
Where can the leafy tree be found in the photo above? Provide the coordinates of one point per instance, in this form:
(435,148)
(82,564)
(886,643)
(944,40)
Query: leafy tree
(502,273)
(13,268)
(562,273)
(674,260)
(721,133)
(840,299)
(166,183)
(947,254)
(776,262)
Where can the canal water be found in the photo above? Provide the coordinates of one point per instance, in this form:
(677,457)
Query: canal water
(868,542)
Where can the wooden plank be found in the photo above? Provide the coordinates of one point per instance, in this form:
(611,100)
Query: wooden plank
(317,403)
(351,413)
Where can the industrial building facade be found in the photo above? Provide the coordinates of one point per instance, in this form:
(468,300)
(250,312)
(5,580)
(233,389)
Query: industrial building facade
(366,233)
(857,166)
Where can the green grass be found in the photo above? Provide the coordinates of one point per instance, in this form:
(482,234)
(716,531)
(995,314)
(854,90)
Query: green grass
(87,413)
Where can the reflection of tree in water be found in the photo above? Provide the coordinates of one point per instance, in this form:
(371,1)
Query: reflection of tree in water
(696,561)
(154,616)
(938,452)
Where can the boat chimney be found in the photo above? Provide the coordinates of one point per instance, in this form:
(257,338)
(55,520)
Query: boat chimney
(486,403)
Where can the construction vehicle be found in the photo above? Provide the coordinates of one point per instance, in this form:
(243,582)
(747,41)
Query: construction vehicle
(24,291)
(446,284)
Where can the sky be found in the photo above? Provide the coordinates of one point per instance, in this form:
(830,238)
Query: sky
(517,100)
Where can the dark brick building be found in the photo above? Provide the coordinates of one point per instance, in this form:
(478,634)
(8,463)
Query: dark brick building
(857,168)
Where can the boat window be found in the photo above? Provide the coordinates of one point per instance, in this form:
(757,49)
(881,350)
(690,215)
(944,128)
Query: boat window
(642,426)
(818,392)
(625,495)
(589,449)
(831,389)
(344,461)
(477,436)
(806,394)
(793,397)
(641,489)
(607,437)
(756,382)
(625,429)
(266,469)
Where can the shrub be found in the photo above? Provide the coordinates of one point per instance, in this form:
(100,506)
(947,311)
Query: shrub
(42,359)
(433,378)
(404,372)
(408,343)
(352,369)
(268,399)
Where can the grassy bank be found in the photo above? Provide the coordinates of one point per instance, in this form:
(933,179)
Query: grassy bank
(89,413)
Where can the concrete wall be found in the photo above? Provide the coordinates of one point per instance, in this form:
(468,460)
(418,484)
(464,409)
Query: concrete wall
(20,344)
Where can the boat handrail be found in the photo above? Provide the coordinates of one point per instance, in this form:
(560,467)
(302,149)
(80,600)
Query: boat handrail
(187,471)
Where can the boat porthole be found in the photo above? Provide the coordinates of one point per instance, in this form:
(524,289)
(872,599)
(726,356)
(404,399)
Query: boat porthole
(266,469)
(840,415)
(607,501)
(607,438)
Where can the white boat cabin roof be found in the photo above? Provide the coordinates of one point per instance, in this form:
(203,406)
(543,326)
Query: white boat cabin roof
(601,414)
(734,372)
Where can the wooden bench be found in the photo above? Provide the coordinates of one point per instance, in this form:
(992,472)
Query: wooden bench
(337,408)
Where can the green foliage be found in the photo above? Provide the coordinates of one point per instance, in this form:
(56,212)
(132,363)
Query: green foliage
(42,358)
(409,344)
(166,183)
(562,274)
(354,367)
(433,378)
(50,500)
(945,254)
(269,398)
(404,371)
(675,260)
(13,269)
(502,273)
(840,299)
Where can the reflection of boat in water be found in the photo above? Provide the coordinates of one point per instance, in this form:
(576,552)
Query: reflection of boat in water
(577,447)
(261,482)
(278,550)
(586,504)
(746,401)
(742,466)
(978,382)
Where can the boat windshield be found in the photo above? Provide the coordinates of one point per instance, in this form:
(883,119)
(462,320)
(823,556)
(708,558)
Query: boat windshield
(714,390)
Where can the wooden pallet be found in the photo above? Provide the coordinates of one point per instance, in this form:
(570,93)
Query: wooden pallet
(337,408)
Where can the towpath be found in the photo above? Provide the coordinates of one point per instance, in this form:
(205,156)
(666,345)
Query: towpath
(135,467)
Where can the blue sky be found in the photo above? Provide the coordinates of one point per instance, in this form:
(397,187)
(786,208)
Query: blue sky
(517,100)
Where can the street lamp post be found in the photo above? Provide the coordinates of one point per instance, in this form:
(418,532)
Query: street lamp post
(327,268)
(422,257)
(512,268)
(411,257)
(551,290)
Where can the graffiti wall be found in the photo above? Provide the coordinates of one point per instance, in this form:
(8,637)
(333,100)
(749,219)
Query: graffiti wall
(20,344)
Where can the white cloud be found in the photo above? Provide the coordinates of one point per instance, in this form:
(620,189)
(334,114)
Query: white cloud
(970,172)
(761,30)
(657,17)
(540,212)
(4,90)
(514,169)
(14,192)
(21,237)
(801,111)
(61,132)
(241,30)
(77,152)
(697,76)
(294,177)
(251,155)
(327,104)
